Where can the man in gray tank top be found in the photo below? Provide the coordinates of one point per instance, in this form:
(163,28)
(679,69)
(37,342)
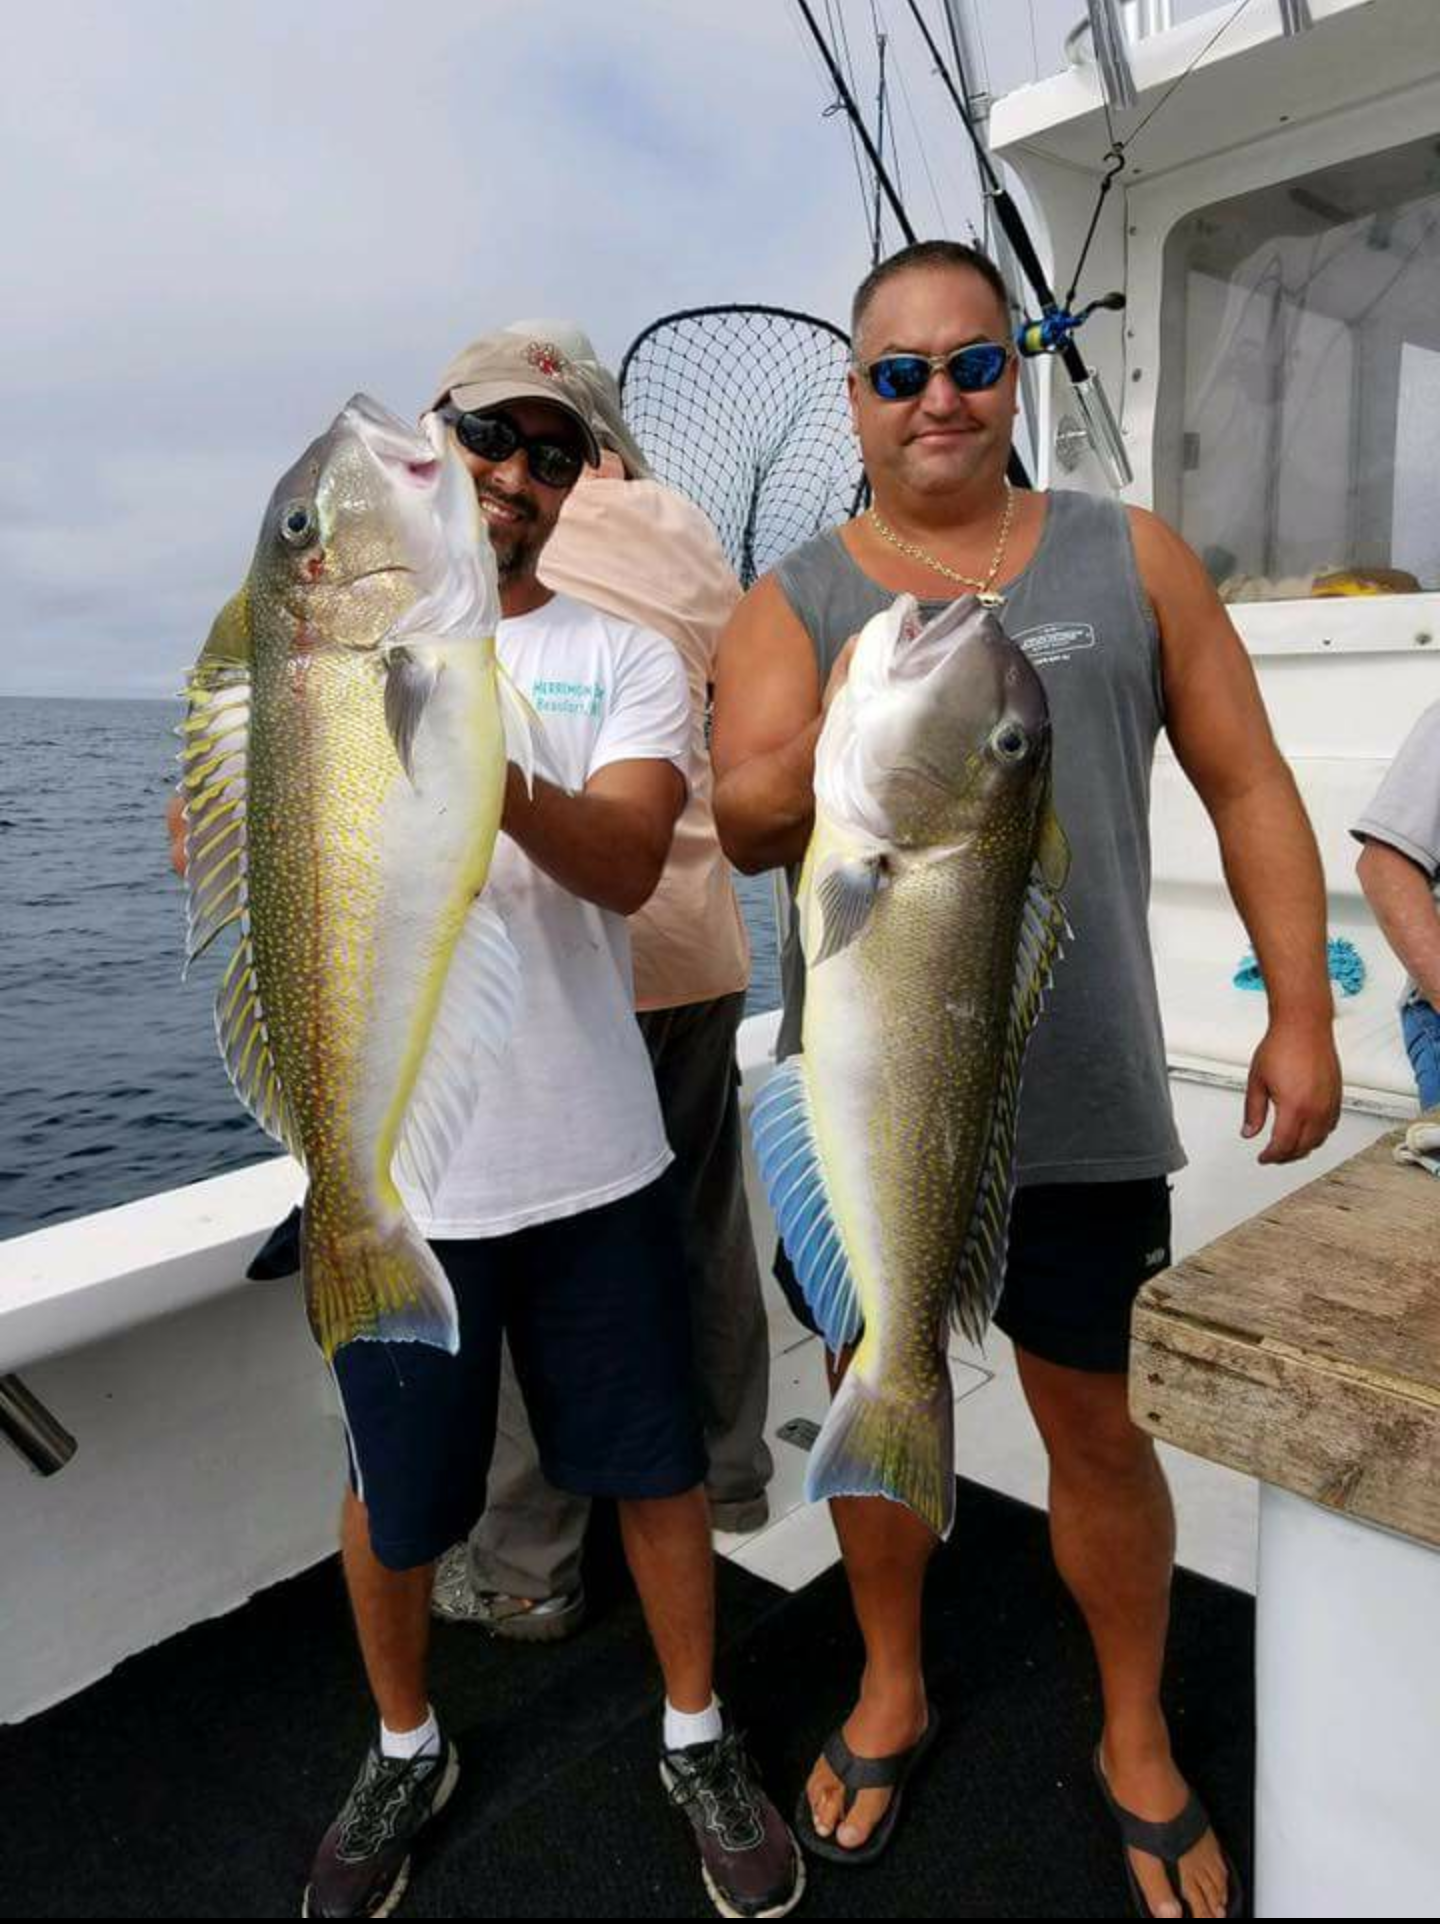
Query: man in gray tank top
(1129,636)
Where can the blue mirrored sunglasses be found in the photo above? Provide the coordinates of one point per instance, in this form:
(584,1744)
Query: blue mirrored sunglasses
(904,377)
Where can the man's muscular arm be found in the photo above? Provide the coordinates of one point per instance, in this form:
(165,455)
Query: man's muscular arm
(1217,723)
(767,720)
(609,843)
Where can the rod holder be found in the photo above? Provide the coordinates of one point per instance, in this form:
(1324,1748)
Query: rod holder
(31,1430)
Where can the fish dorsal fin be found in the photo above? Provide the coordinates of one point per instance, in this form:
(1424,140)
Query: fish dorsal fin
(1052,857)
(788,1154)
(476,1013)
(980,1271)
(215,737)
(228,642)
(245,1044)
(214,752)
(845,896)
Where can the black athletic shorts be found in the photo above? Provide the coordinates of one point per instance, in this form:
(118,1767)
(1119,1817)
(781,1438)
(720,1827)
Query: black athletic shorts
(596,1311)
(1079,1252)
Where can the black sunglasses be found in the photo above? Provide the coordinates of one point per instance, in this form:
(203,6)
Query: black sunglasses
(495,437)
(904,377)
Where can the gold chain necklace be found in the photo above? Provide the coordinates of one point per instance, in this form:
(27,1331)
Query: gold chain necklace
(984,592)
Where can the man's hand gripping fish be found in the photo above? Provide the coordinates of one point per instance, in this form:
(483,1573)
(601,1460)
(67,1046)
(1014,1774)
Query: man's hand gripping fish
(930,919)
(343,776)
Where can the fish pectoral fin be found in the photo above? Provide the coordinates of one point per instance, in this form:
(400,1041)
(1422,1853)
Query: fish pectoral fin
(411,677)
(471,1030)
(980,1270)
(789,1157)
(845,895)
(524,730)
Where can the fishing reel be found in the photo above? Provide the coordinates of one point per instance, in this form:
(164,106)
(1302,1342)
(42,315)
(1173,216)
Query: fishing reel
(1050,333)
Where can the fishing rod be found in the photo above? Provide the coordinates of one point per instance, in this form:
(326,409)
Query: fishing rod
(1054,332)
(857,121)
(1019,474)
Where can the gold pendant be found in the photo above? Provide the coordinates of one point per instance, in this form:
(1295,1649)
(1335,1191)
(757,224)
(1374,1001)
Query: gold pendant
(988,598)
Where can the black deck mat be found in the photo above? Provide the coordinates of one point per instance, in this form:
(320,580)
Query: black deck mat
(197,1779)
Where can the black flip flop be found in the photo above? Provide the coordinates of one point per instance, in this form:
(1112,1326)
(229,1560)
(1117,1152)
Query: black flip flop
(864,1773)
(1169,1842)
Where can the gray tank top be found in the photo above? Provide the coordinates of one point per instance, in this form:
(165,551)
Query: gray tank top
(1095,1106)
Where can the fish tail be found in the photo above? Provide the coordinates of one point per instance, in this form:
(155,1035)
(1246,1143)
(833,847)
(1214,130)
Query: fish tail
(873,1444)
(380,1281)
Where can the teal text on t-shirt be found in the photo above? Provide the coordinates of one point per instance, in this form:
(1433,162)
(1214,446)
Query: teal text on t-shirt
(569,697)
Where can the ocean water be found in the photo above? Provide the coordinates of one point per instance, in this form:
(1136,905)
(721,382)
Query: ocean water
(113,1086)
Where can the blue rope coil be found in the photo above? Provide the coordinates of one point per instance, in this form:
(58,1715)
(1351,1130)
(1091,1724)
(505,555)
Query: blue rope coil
(1346,964)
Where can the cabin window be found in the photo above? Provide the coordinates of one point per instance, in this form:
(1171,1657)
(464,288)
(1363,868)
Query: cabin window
(1299,408)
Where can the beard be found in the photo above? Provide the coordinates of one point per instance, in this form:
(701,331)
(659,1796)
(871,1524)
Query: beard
(517,556)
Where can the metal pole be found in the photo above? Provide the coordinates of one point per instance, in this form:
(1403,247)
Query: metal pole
(965,40)
(1111,54)
(26,1424)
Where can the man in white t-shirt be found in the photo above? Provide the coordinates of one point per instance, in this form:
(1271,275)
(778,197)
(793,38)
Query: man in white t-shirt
(555,1221)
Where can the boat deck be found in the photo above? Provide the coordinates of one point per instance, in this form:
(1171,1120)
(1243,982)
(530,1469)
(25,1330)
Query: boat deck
(196,1779)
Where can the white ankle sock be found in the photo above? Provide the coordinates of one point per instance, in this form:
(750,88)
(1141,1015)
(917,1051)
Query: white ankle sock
(411,1743)
(685,1727)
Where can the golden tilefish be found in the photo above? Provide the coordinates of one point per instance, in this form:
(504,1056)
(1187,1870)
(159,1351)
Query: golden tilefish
(343,774)
(930,919)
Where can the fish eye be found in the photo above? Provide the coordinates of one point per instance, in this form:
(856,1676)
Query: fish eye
(297,524)
(1010,741)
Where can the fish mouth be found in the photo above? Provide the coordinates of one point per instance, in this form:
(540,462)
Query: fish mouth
(369,574)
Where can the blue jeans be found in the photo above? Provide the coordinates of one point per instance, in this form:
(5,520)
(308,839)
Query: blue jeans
(1421,1025)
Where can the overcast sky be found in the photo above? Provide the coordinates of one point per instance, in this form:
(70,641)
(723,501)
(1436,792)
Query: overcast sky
(220,223)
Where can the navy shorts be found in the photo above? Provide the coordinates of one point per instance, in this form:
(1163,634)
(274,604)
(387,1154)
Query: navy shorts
(1079,1253)
(598,1320)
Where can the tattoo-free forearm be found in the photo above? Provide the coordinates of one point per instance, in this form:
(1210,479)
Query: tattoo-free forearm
(604,848)
(1273,870)
(765,807)
(1403,900)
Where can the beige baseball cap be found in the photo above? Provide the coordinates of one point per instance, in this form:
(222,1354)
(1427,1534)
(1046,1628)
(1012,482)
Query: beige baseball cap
(512,367)
(607,415)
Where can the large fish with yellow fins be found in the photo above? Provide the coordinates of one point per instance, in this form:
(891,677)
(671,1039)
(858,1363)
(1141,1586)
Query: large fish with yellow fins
(343,772)
(930,919)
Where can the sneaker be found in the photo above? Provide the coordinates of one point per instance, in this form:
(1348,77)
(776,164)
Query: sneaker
(521,1619)
(363,1863)
(750,1861)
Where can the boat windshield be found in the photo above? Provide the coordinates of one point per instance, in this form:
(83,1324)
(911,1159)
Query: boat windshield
(1299,409)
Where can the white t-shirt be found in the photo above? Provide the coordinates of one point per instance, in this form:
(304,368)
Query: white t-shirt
(571,1118)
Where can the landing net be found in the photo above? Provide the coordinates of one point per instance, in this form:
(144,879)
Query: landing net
(743,409)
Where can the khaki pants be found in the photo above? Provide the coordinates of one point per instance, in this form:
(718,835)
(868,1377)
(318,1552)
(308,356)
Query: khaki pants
(529,1540)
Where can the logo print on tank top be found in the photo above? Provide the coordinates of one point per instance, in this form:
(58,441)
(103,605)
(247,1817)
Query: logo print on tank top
(1056,641)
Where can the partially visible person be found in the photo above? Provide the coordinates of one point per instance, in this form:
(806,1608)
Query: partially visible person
(1399,870)
(555,1220)
(636,548)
